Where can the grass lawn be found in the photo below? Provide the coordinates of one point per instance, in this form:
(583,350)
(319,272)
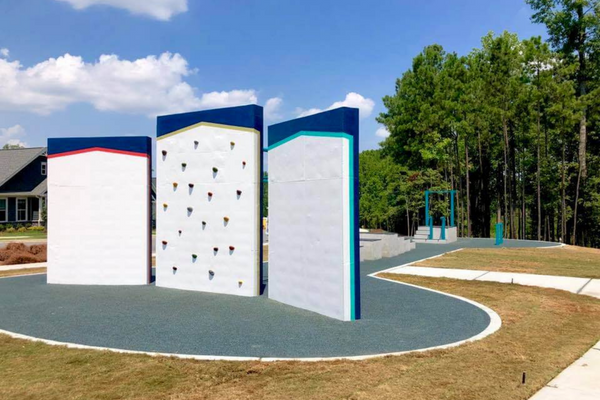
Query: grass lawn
(543,332)
(25,235)
(563,261)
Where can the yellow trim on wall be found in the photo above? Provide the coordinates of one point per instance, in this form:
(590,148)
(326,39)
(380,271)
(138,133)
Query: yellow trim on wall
(187,128)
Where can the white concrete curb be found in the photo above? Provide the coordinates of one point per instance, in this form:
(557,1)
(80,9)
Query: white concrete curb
(493,326)
(22,266)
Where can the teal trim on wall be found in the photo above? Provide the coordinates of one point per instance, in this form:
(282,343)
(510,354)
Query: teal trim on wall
(353,260)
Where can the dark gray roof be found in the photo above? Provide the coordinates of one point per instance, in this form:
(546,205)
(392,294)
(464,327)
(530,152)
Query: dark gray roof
(14,160)
(39,190)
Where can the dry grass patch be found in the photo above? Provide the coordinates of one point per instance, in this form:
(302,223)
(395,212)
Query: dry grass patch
(562,261)
(543,332)
(26,271)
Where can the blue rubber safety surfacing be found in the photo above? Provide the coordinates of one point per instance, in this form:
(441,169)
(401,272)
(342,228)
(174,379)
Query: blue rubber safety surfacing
(146,318)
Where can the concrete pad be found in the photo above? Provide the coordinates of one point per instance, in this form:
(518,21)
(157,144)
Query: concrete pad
(579,381)
(465,274)
(546,281)
(23,266)
(592,289)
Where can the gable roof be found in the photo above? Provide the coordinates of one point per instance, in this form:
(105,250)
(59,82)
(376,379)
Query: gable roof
(14,160)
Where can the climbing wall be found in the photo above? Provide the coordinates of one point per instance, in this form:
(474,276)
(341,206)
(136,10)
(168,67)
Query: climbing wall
(209,175)
(99,211)
(313,213)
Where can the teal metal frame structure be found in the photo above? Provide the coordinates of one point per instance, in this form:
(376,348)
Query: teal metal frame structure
(428,218)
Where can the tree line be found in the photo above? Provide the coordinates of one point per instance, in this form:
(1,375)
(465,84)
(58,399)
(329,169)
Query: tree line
(512,127)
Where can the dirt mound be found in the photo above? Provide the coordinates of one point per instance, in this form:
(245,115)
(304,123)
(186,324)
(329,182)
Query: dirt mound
(20,253)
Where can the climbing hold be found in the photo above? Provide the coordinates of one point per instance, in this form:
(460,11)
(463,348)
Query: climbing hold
(239,192)
(180,232)
(240,283)
(164,152)
(226,219)
(190,209)
(191,185)
(165,205)
(196,143)
(231,248)
(215,170)
(243,163)
(174,268)
(203,223)
(215,248)
(211,272)
(210,194)
(183,165)
(164,242)
(232,144)
(194,256)
(175,185)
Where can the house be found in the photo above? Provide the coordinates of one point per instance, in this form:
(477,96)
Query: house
(23,185)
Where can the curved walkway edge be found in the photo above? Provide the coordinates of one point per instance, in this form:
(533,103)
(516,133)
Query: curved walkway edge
(584,286)
(493,325)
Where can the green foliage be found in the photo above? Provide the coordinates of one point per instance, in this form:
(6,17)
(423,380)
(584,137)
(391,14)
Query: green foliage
(511,124)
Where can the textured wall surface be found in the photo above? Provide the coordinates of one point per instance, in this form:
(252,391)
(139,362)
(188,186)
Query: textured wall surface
(313,256)
(99,211)
(208,206)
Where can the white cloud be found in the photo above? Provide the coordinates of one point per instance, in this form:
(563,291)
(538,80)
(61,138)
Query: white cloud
(152,85)
(160,9)
(272,107)
(365,106)
(382,132)
(4,53)
(11,136)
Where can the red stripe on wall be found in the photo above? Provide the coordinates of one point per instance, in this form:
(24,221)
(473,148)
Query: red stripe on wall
(105,150)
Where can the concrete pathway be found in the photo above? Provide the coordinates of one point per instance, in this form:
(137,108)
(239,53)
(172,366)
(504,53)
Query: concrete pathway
(580,381)
(587,286)
(22,266)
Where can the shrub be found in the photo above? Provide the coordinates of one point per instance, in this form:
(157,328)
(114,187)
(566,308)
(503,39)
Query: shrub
(2,227)
(22,229)
(36,228)
(10,230)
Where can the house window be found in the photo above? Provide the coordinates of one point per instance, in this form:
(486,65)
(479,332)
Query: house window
(44,168)
(3,210)
(22,209)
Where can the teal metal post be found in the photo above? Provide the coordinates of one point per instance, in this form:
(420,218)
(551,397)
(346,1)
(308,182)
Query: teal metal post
(427,208)
(499,233)
(430,227)
(452,193)
(443,234)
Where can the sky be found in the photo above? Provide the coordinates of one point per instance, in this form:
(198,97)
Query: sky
(109,67)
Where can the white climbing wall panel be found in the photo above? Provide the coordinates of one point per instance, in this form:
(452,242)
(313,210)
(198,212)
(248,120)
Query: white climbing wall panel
(99,211)
(208,209)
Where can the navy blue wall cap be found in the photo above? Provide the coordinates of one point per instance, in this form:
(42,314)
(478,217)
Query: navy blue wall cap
(125,144)
(343,119)
(250,116)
